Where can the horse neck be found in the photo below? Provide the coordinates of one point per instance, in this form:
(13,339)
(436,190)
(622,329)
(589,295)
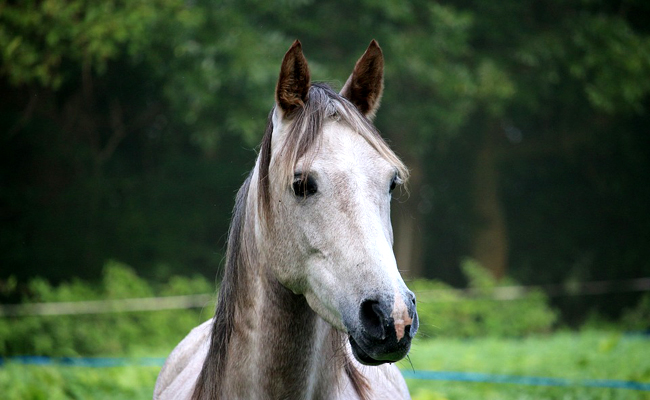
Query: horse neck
(280,348)
(291,349)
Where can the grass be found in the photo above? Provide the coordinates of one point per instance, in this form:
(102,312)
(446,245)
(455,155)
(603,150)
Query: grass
(567,355)
(570,355)
(33,382)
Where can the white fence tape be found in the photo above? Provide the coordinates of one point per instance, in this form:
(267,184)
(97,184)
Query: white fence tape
(500,293)
(568,289)
(108,306)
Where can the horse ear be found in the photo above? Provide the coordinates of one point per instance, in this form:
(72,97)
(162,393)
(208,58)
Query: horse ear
(366,84)
(293,85)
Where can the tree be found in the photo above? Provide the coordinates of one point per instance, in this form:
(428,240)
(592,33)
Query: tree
(112,146)
(522,121)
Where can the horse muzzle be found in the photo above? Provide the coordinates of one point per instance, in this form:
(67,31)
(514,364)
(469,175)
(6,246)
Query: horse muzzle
(385,330)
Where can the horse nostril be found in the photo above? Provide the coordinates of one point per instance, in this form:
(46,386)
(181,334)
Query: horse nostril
(407,331)
(411,295)
(411,309)
(372,319)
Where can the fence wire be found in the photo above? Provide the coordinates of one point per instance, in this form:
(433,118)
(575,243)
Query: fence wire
(498,293)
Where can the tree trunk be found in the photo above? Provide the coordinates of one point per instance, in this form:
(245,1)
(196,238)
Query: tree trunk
(490,240)
(407,226)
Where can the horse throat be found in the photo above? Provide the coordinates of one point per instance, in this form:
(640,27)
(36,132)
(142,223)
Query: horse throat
(281,348)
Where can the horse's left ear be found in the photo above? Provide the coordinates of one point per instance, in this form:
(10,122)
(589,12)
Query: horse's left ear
(366,84)
(292,89)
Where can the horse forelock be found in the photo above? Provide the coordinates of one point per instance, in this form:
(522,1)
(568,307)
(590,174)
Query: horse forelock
(305,125)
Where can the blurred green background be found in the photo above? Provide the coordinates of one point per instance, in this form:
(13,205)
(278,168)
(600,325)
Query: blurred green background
(126,128)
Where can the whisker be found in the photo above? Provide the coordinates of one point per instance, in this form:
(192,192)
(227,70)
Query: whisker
(408,358)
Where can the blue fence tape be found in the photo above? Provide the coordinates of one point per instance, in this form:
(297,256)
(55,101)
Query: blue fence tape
(93,362)
(524,380)
(99,362)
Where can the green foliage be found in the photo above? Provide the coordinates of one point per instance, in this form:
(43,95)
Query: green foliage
(638,318)
(102,334)
(612,61)
(444,312)
(41,39)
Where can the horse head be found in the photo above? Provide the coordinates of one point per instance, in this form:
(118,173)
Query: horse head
(325,179)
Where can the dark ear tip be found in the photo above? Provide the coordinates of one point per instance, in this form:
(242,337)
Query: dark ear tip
(295,50)
(296,45)
(374,49)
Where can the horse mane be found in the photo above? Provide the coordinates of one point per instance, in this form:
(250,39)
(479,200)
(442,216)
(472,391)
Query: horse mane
(306,124)
(208,384)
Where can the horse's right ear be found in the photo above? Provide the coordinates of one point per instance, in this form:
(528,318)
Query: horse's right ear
(293,85)
(366,84)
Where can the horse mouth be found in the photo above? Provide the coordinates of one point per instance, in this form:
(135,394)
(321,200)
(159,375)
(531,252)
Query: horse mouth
(362,356)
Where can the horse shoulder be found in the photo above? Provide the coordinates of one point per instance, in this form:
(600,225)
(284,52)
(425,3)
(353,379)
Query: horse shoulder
(183,366)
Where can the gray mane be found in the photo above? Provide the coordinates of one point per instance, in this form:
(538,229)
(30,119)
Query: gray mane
(208,384)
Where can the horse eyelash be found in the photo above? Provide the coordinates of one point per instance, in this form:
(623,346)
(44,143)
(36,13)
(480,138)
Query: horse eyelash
(395,182)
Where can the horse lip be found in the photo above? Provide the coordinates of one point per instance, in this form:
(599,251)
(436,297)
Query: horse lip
(362,350)
(362,356)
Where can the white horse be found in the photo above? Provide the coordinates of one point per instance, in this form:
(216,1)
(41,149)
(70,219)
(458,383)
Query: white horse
(311,304)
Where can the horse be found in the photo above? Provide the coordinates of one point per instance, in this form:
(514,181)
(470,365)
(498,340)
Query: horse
(311,304)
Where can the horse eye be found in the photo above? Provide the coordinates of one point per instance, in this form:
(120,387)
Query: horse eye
(305,187)
(393,184)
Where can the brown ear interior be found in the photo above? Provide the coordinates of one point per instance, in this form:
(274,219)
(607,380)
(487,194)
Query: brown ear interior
(292,89)
(365,85)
